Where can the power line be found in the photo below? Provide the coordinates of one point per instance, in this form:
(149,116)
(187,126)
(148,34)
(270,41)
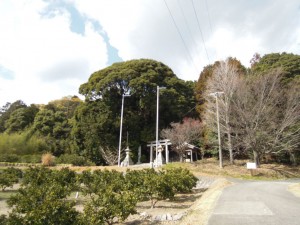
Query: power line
(186,23)
(209,20)
(178,31)
(210,24)
(200,30)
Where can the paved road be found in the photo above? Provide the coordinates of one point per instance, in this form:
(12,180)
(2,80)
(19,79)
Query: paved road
(257,202)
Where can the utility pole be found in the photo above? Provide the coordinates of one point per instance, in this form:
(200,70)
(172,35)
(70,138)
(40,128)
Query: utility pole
(216,95)
(157,119)
(121,125)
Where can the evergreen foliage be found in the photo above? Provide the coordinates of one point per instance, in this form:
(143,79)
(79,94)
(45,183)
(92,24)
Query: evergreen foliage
(97,121)
(9,177)
(42,198)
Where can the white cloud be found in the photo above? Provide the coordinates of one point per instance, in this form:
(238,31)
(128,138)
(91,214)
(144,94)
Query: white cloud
(144,29)
(48,60)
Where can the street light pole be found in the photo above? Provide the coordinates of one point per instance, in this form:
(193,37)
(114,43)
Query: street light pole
(121,126)
(157,119)
(216,94)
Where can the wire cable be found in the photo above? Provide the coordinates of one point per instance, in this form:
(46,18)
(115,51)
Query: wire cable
(178,31)
(188,27)
(208,14)
(196,15)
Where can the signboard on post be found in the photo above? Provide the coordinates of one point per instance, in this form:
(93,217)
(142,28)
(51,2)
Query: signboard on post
(251,166)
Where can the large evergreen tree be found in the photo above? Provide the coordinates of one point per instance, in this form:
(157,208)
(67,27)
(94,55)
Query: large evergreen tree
(97,121)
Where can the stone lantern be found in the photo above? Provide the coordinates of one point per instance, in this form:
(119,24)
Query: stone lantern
(160,160)
(127,161)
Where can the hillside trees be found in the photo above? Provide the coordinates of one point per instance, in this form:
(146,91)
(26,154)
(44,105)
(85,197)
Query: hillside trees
(53,124)
(97,121)
(289,64)
(20,119)
(267,98)
(16,116)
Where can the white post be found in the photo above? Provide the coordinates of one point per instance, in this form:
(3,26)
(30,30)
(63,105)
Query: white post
(167,153)
(219,135)
(216,94)
(121,125)
(151,153)
(157,118)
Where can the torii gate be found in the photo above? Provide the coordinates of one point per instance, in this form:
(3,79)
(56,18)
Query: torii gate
(165,142)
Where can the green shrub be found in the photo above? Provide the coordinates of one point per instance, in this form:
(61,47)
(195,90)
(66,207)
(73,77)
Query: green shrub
(42,198)
(73,159)
(3,220)
(109,199)
(9,177)
(30,158)
(9,158)
(182,179)
(152,185)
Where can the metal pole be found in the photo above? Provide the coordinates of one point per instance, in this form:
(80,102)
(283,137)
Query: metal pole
(121,125)
(157,112)
(219,134)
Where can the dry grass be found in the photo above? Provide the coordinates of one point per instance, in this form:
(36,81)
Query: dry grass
(210,167)
(47,159)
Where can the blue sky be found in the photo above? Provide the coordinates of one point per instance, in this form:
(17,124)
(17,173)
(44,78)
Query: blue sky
(49,47)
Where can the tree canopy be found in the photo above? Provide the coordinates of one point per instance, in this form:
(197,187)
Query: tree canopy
(139,78)
(289,63)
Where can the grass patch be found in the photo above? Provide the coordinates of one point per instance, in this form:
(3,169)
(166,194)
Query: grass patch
(210,167)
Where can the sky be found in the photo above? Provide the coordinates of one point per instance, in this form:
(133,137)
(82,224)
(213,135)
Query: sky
(48,48)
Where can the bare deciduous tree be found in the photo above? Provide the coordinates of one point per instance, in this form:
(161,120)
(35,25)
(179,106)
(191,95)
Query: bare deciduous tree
(225,79)
(110,155)
(267,116)
(182,133)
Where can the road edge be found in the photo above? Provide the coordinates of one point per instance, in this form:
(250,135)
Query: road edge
(201,210)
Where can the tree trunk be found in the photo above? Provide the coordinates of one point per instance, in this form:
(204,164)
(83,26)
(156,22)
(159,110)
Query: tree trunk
(181,157)
(256,158)
(230,146)
(293,159)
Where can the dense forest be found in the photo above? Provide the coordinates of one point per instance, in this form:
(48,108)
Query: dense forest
(259,110)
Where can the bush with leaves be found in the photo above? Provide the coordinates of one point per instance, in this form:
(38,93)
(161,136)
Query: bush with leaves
(182,179)
(109,200)
(9,158)
(41,200)
(152,185)
(75,160)
(9,177)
